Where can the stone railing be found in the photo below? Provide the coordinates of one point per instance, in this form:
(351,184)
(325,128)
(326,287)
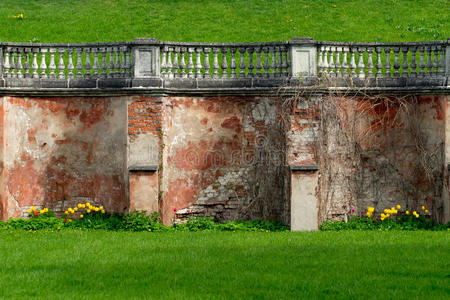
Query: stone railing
(149,63)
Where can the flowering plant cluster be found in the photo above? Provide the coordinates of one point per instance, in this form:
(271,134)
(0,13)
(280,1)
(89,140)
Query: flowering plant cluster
(395,210)
(34,213)
(19,16)
(81,209)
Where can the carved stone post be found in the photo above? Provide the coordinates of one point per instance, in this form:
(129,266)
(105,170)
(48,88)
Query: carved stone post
(303,57)
(146,58)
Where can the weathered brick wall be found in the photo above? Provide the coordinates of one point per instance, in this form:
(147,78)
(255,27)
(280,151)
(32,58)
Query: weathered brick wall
(62,150)
(223,157)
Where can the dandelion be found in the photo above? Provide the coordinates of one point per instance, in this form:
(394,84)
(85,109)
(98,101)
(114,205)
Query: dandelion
(398,207)
(88,211)
(423,207)
(81,216)
(426,210)
(407,212)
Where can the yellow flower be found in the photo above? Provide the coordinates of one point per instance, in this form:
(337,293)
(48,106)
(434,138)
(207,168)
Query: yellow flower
(398,207)
(370,209)
(417,216)
(66,212)
(88,211)
(83,206)
(103,211)
(88,204)
(387,216)
(383,215)
(407,212)
(75,209)
(423,207)
(97,209)
(426,210)
(41,211)
(101,207)
(80,205)
(70,220)
(29,211)
(81,216)
(33,208)
(386,211)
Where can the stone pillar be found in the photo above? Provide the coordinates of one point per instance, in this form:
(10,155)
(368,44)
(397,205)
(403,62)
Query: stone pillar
(447,62)
(303,57)
(304,200)
(144,188)
(446,191)
(146,62)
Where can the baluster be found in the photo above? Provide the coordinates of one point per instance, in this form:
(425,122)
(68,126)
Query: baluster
(258,62)
(396,61)
(127,63)
(435,61)
(79,63)
(52,65)
(206,64)
(429,63)
(233,62)
(325,61)
(369,62)
(175,62)
(27,65)
(284,62)
(250,51)
(337,63)
(103,64)
(242,62)
(215,51)
(163,66)
(13,63)
(124,63)
(19,63)
(413,62)
(110,72)
(404,61)
(183,63)
(168,63)
(198,63)
(278,52)
(87,65)
(441,61)
(61,67)
(266,59)
(224,62)
(116,72)
(70,66)
(95,65)
(273,65)
(7,65)
(345,66)
(320,62)
(379,64)
(352,62)
(43,65)
(421,62)
(361,65)
(190,65)
(387,64)
(331,62)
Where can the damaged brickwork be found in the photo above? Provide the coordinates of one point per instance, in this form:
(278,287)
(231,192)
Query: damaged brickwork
(226,157)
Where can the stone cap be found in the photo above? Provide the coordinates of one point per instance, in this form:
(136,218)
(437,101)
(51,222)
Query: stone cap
(307,168)
(149,168)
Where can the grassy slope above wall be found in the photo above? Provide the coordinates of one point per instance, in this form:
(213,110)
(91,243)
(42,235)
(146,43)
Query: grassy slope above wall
(224,21)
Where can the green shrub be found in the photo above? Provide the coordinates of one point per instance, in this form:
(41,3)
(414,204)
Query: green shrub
(133,221)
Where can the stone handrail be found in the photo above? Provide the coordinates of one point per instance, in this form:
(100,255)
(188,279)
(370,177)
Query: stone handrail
(152,63)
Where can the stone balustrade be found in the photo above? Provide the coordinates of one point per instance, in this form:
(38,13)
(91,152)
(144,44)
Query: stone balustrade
(152,63)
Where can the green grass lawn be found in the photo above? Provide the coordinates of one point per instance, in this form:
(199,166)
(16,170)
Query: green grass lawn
(224,21)
(346,265)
